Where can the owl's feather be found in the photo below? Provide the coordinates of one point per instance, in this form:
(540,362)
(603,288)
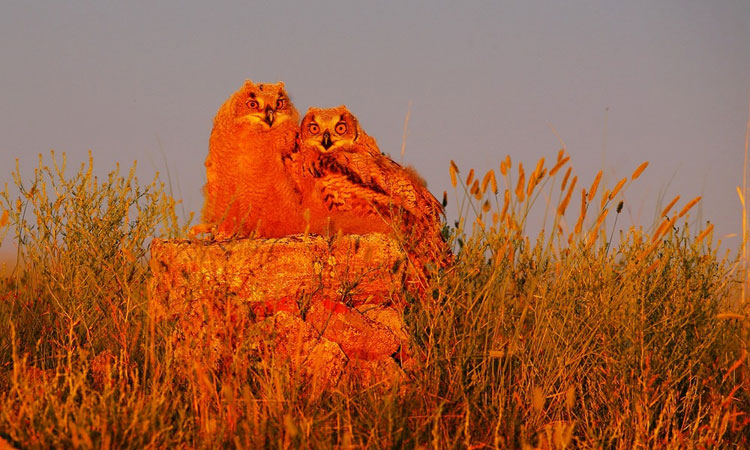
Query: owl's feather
(348,185)
(249,189)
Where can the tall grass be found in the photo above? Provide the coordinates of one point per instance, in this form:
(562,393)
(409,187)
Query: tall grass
(582,336)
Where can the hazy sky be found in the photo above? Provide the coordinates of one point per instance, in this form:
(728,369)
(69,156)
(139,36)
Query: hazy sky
(143,80)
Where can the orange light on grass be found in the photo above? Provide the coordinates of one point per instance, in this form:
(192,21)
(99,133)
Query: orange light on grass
(669,207)
(639,170)
(690,204)
(595,185)
(521,182)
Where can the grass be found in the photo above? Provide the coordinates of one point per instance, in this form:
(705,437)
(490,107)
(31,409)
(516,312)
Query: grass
(582,336)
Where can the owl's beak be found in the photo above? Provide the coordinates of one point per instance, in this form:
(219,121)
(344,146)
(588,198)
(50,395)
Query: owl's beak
(269,116)
(326,142)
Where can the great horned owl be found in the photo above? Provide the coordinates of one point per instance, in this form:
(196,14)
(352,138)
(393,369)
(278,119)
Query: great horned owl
(348,185)
(249,188)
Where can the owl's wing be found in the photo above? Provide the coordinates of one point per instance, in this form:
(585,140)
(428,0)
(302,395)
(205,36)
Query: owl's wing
(404,181)
(420,211)
(409,187)
(350,182)
(371,184)
(390,185)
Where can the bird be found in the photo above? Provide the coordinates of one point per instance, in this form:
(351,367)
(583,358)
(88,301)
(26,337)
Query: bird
(249,188)
(349,186)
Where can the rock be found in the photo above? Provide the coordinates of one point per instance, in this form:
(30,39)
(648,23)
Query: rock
(327,307)
(389,317)
(359,336)
(320,360)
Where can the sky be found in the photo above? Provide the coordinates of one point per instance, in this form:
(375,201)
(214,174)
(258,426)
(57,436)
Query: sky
(617,82)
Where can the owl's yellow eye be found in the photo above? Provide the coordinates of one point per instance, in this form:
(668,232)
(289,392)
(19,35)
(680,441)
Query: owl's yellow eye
(341,128)
(314,128)
(280,103)
(252,104)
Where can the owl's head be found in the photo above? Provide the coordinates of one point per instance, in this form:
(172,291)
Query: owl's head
(263,105)
(328,129)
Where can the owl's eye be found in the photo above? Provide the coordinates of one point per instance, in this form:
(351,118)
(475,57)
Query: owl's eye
(314,128)
(252,104)
(280,103)
(341,127)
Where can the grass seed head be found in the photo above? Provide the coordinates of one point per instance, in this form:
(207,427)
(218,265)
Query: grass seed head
(489,179)
(566,200)
(470,177)
(617,188)
(475,190)
(666,210)
(605,199)
(521,183)
(595,185)
(705,233)
(565,179)
(639,170)
(506,203)
(690,204)
(557,166)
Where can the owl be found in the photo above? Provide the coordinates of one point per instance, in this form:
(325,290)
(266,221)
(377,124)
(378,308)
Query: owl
(349,186)
(249,188)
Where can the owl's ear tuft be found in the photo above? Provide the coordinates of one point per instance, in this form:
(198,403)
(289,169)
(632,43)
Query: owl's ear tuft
(312,112)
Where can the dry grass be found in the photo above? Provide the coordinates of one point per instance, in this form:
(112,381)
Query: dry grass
(567,339)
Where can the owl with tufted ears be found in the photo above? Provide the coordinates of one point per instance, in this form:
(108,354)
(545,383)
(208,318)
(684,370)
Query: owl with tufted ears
(249,189)
(349,186)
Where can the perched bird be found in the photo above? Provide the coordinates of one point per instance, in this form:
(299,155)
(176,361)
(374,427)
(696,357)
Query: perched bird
(349,186)
(249,188)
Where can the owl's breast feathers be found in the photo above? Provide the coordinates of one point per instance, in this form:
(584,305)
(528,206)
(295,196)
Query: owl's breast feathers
(248,186)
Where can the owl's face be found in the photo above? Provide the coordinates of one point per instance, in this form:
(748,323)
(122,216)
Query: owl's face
(264,105)
(329,129)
